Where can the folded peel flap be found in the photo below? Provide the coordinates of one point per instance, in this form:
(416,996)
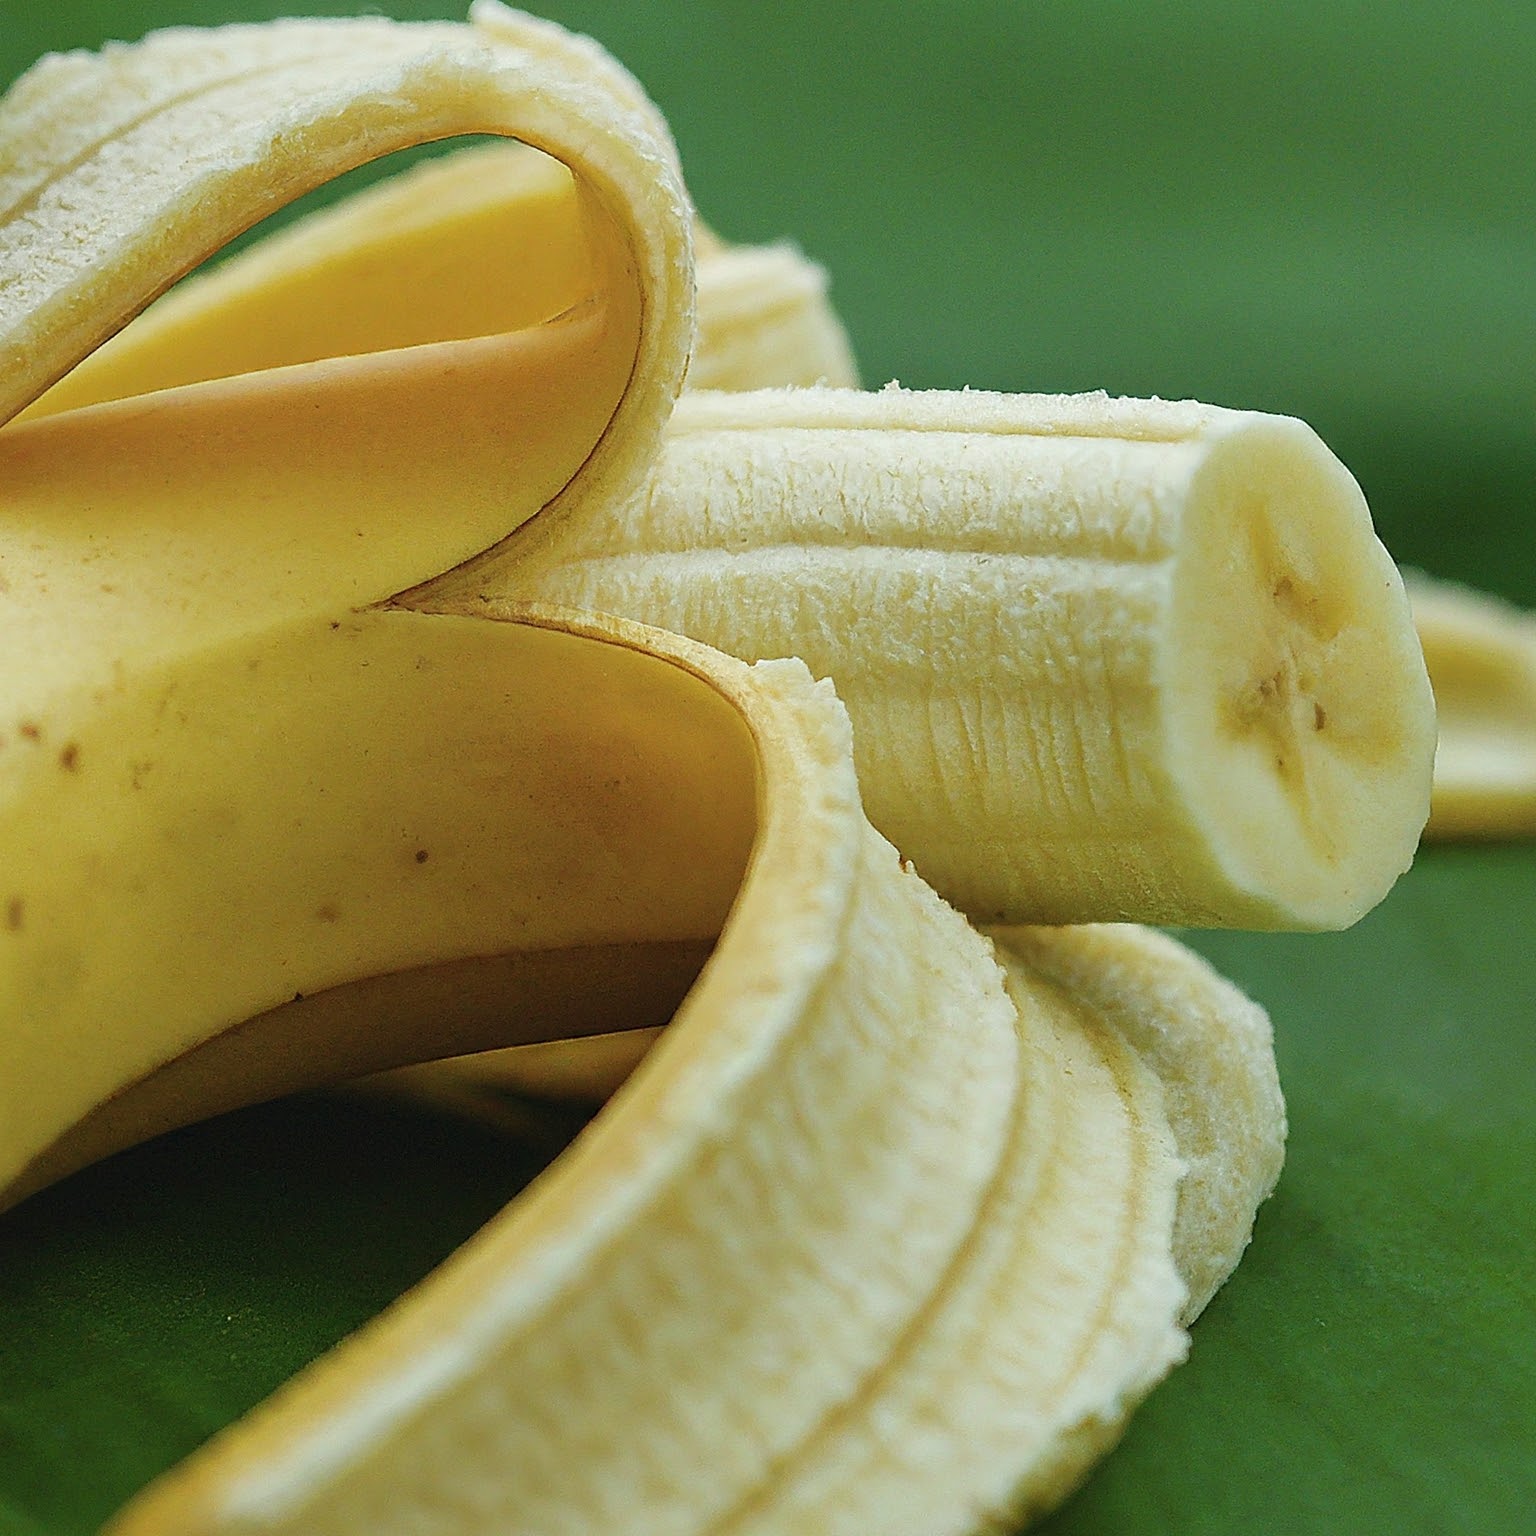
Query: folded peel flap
(121,172)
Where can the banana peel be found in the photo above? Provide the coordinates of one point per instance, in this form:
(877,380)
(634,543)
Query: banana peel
(1481,655)
(307,773)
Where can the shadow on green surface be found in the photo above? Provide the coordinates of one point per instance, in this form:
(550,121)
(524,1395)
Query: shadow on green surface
(156,1297)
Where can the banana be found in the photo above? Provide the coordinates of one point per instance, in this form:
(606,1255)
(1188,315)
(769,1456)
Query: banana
(319,756)
(1104,658)
(1481,655)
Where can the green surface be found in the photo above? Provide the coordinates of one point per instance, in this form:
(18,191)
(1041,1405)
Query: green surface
(151,1299)
(1319,208)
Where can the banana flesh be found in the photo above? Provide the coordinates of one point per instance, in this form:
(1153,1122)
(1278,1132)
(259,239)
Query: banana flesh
(1104,658)
(1481,655)
(892,1226)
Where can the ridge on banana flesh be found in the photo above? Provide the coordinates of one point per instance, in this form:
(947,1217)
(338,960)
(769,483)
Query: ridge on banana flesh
(1481,655)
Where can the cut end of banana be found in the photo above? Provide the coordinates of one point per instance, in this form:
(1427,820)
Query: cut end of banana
(1301,723)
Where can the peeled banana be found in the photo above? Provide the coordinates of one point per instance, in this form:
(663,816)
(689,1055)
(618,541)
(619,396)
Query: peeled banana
(1105,658)
(326,746)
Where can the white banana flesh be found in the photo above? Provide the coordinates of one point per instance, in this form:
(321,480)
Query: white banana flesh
(1104,658)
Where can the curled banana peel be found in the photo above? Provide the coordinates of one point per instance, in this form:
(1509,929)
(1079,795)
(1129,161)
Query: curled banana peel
(168,540)
(324,750)
(1481,655)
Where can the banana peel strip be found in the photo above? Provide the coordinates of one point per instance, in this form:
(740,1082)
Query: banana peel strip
(845,1015)
(153,540)
(1481,655)
(844,1151)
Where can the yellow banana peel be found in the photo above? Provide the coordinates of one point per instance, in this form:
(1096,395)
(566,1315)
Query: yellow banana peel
(1481,655)
(367,609)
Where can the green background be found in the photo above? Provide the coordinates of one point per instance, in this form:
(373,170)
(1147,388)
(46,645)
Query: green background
(1325,209)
